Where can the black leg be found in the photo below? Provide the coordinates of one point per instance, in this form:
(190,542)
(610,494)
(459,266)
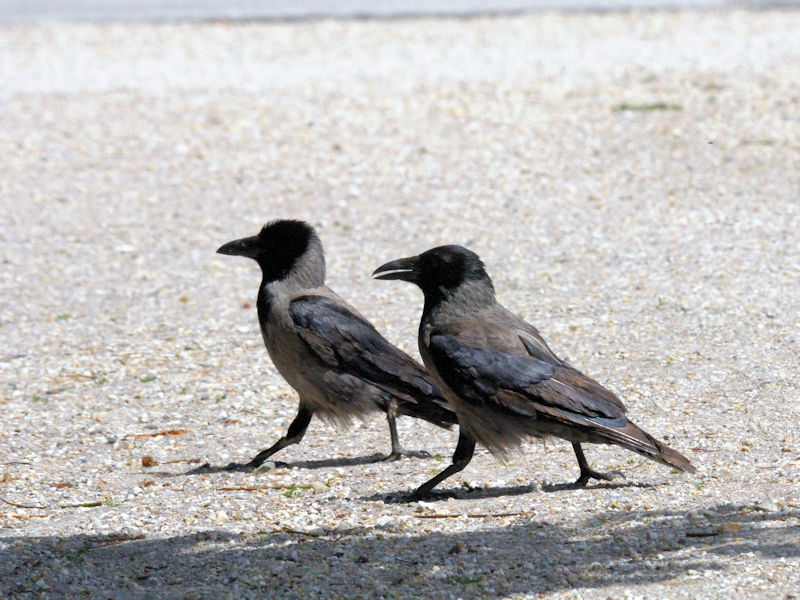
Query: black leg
(397,449)
(296,431)
(461,458)
(586,472)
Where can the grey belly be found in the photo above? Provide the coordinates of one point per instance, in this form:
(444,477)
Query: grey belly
(501,432)
(334,396)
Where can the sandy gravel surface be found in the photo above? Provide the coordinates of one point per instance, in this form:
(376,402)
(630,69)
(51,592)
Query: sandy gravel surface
(632,182)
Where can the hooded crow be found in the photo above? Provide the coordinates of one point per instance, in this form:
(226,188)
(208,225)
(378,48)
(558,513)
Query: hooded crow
(501,377)
(338,363)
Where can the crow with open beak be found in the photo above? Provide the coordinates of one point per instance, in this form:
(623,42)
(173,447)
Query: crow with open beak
(338,363)
(501,377)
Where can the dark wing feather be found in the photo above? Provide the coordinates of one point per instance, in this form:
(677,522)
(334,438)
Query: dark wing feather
(572,390)
(346,342)
(543,389)
(480,375)
(526,385)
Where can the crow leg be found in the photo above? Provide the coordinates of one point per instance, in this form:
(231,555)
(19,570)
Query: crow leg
(397,450)
(461,458)
(296,432)
(587,473)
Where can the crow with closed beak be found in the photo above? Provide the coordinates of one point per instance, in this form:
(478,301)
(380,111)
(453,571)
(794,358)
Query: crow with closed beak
(501,377)
(338,363)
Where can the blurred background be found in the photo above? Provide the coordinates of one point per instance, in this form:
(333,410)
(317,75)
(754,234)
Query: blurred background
(26,11)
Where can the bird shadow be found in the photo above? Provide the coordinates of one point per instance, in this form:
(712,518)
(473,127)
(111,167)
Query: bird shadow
(471,493)
(347,462)
(566,487)
(325,463)
(463,493)
(598,551)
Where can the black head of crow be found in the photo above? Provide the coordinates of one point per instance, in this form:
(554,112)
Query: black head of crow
(440,272)
(279,249)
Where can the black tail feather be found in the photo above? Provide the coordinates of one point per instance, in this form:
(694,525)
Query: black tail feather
(634,438)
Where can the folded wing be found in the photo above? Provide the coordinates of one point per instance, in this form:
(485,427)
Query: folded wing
(348,343)
(523,384)
(545,390)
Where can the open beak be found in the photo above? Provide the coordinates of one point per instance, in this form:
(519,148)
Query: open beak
(244,247)
(402,268)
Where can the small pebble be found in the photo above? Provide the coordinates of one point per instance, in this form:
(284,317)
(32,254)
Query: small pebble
(767,505)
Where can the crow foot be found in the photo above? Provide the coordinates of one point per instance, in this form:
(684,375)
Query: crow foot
(398,454)
(587,474)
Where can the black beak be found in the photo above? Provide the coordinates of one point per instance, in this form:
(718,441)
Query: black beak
(248,246)
(402,268)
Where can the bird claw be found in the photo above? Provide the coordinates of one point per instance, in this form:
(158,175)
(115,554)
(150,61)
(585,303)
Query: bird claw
(591,474)
(207,468)
(249,467)
(418,454)
(406,453)
(431,496)
(416,496)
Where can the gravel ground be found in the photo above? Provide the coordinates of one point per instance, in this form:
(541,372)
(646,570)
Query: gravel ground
(632,182)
